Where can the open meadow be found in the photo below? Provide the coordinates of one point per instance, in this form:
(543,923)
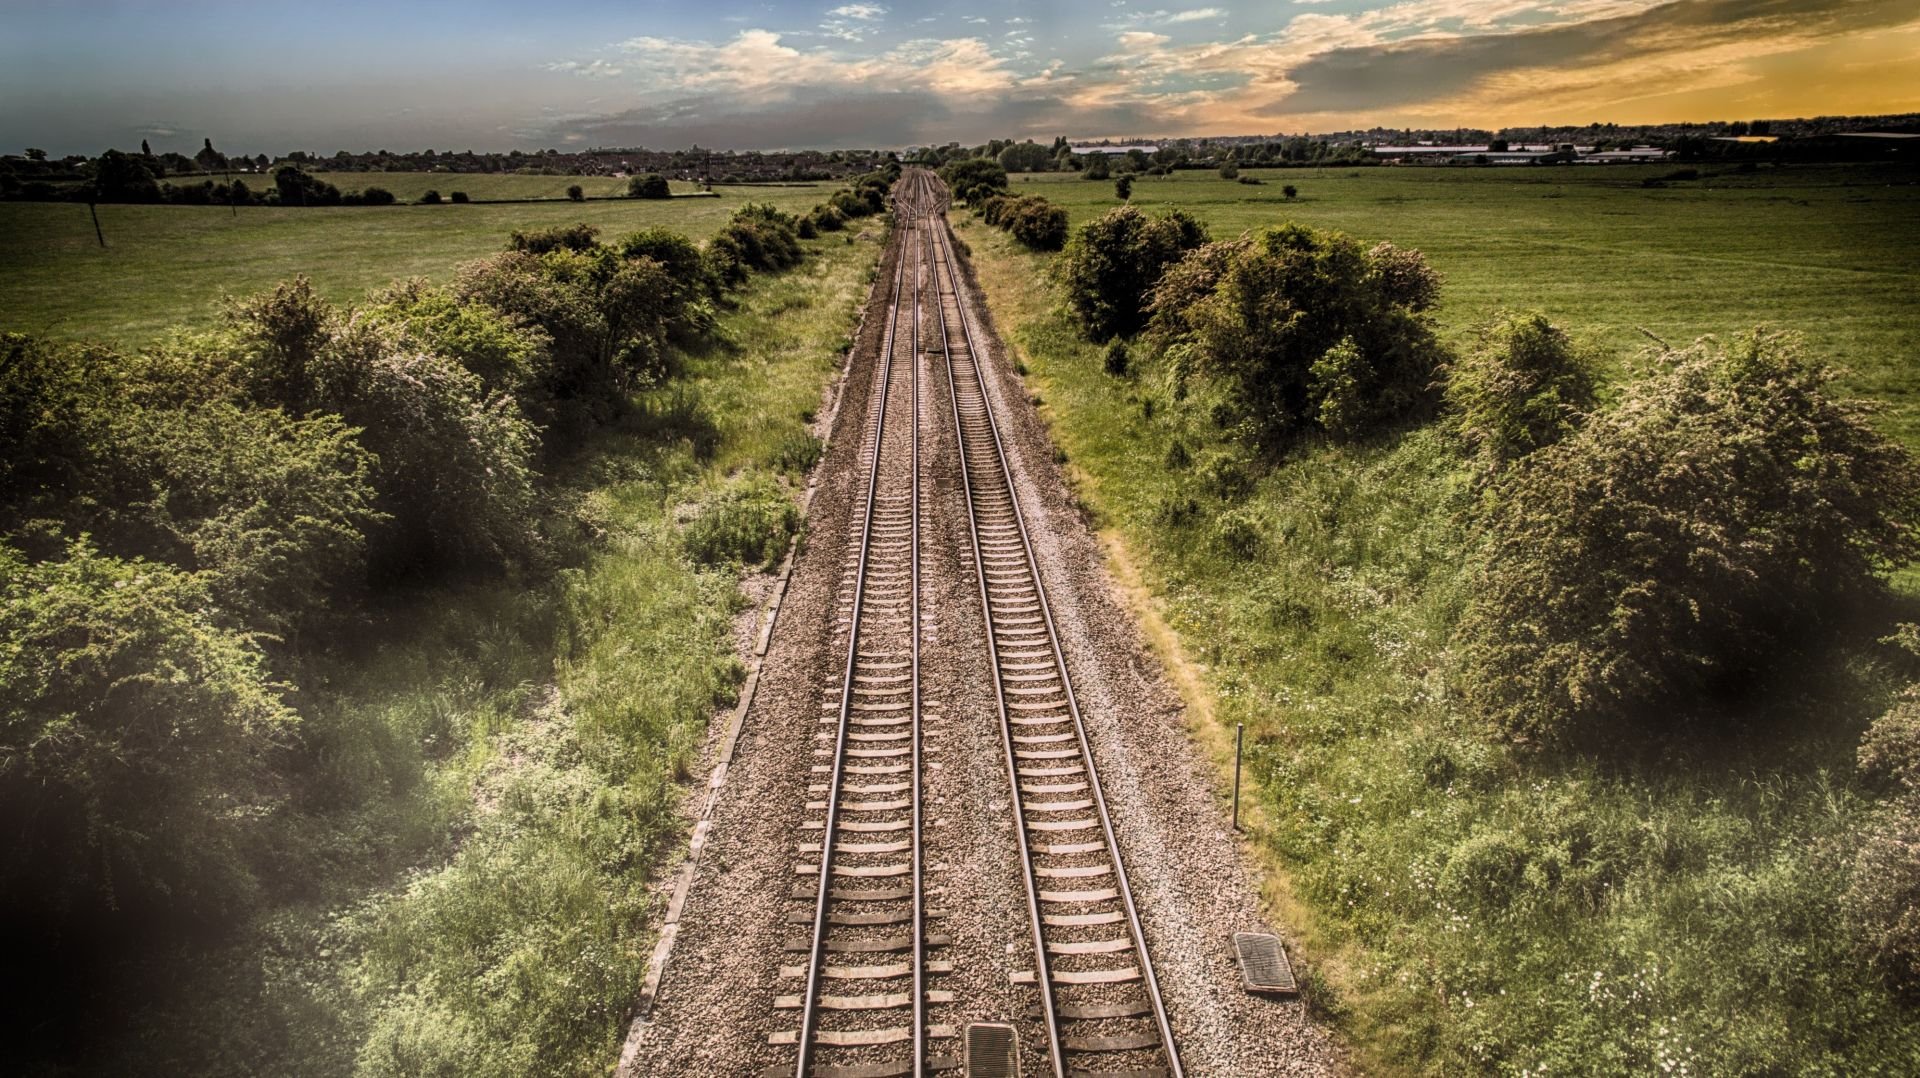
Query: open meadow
(170,265)
(1833,252)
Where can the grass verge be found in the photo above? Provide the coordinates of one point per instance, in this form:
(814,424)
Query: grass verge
(1464,909)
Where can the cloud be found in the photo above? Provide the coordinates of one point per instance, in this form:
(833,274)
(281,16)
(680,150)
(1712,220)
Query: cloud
(1447,62)
(864,12)
(1681,41)
(593,69)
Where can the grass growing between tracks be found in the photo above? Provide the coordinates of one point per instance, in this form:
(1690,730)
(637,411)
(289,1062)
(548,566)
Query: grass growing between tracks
(1464,909)
(477,878)
(165,266)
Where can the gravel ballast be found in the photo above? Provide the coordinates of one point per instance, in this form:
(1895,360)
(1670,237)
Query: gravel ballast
(715,1006)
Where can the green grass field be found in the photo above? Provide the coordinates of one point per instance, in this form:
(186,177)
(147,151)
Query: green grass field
(1833,252)
(1455,906)
(170,265)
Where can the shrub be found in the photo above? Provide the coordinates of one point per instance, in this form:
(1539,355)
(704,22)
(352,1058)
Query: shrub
(270,508)
(1040,224)
(1300,327)
(607,317)
(1113,262)
(1097,168)
(652,185)
(1252,181)
(459,196)
(1117,358)
(750,520)
(576,193)
(132,732)
(1123,188)
(1744,509)
(828,218)
(1290,191)
(507,356)
(574,237)
(1229,172)
(806,230)
(377,196)
(1882,903)
(431,198)
(273,510)
(452,469)
(1524,385)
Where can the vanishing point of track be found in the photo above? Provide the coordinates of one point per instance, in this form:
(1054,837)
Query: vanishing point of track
(864,1009)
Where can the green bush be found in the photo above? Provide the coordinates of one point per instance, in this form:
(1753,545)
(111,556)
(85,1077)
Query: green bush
(452,470)
(1524,385)
(1039,224)
(1117,358)
(750,520)
(271,508)
(506,356)
(608,318)
(575,237)
(1303,329)
(974,178)
(133,735)
(652,185)
(1744,509)
(1112,264)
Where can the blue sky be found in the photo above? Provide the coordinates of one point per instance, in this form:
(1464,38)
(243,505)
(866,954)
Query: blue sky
(261,76)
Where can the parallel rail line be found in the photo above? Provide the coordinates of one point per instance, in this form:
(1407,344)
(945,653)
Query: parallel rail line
(1100,1003)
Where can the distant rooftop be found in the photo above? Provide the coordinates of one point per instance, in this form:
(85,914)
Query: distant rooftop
(1082,151)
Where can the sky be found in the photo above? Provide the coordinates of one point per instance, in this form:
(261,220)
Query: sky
(260,76)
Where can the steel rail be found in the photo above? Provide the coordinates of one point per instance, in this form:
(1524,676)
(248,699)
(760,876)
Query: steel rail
(810,1001)
(1042,973)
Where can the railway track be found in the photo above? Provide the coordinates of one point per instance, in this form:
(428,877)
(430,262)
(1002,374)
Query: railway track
(864,1005)
(865,999)
(1100,1007)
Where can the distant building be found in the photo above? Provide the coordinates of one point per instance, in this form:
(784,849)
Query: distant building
(1639,154)
(1083,151)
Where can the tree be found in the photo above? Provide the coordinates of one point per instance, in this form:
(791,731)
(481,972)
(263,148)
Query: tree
(1113,262)
(1123,188)
(576,193)
(1229,172)
(1096,167)
(1746,511)
(210,159)
(1498,145)
(975,178)
(123,177)
(652,185)
(452,460)
(36,154)
(145,150)
(1026,157)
